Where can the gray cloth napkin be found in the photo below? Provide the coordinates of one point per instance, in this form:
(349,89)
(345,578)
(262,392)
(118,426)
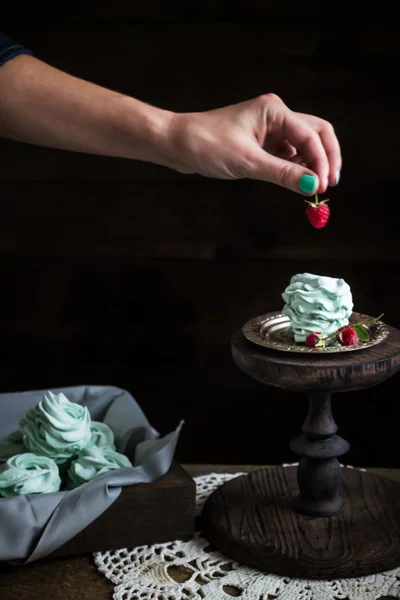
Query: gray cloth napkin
(34,525)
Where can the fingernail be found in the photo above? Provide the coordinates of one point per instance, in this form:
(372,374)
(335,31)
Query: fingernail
(307,184)
(337,176)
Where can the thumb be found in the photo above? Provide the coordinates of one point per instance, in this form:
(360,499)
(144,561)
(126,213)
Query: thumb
(297,178)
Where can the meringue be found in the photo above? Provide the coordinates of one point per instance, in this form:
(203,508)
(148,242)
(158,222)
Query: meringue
(102,435)
(315,303)
(56,428)
(93,462)
(29,474)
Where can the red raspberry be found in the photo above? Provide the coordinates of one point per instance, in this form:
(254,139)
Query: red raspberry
(318,212)
(346,336)
(313,339)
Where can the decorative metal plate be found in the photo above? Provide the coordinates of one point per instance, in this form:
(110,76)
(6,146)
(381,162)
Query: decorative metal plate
(272,331)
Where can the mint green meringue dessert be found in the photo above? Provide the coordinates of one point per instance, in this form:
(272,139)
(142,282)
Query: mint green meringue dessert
(56,428)
(29,474)
(102,435)
(315,303)
(11,445)
(93,462)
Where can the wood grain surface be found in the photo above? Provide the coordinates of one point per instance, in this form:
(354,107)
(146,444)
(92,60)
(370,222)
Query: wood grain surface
(328,372)
(251,519)
(144,522)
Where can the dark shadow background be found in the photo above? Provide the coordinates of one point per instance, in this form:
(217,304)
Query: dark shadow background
(125,273)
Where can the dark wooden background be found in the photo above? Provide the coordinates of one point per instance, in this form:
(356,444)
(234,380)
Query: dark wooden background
(124,273)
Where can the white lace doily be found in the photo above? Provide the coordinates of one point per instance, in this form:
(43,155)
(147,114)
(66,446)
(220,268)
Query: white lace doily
(194,571)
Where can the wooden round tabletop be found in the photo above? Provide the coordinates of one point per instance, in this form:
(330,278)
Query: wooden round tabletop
(331,372)
(251,519)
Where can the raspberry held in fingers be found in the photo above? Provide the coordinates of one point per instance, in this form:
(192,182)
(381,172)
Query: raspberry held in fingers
(318,213)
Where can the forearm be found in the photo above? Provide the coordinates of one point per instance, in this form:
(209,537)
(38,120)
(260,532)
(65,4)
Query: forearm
(42,105)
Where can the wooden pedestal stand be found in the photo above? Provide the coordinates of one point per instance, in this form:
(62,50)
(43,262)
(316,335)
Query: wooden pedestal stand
(319,520)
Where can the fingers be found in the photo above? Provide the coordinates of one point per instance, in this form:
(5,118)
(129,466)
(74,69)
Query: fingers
(332,149)
(285,151)
(299,160)
(309,146)
(330,142)
(314,139)
(285,173)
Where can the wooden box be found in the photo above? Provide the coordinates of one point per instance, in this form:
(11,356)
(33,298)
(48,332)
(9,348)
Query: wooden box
(144,513)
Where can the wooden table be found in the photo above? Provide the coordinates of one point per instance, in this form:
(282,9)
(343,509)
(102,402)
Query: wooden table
(78,577)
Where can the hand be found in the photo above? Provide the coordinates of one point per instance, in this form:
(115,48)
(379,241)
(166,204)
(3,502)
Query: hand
(258,139)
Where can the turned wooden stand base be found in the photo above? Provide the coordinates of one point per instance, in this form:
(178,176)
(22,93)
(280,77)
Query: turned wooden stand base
(251,519)
(319,520)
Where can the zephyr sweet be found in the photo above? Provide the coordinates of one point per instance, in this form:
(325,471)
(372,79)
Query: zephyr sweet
(93,462)
(56,428)
(317,303)
(29,474)
(102,435)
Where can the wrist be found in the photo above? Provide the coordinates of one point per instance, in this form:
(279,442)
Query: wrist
(184,141)
(144,131)
(157,132)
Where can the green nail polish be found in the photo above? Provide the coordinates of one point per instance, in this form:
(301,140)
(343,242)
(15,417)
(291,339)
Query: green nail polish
(307,184)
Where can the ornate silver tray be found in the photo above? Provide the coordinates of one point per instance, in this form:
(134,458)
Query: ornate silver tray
(272,331)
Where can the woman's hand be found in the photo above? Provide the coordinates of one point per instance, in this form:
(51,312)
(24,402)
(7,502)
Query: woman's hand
(258,139)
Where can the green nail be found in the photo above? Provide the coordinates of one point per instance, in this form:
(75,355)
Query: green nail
(307,184)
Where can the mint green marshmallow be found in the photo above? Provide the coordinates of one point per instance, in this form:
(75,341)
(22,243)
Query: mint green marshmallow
(315,303)
(56,428)
(93,462)
(102,435)
(29,474)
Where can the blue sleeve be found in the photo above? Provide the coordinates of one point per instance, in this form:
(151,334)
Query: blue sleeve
(9,49)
